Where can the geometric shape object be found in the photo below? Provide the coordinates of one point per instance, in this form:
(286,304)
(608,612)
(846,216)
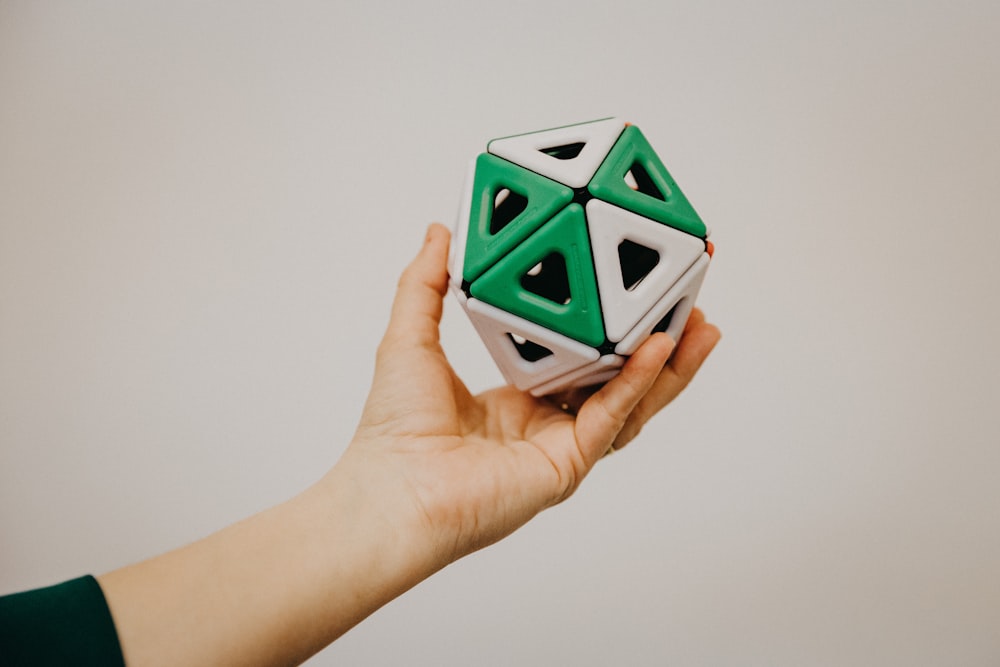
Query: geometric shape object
(655,195)
(599,371)
(525,352)
(573,245)
(549,279)
(570,155)
(670,313)
(623,298)
(506,205)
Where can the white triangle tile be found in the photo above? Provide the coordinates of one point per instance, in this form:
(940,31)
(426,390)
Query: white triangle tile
(527,150)
(599,371)
(495,327)
(680,299)
(460,233)
(609,225)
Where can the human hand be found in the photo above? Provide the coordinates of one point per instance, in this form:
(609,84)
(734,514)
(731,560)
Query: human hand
(433,473)
(468,470)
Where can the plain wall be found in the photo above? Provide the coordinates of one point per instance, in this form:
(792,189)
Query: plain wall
(204,208)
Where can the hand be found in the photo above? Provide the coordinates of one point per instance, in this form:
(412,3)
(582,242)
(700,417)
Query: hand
(471,469)
(432,474)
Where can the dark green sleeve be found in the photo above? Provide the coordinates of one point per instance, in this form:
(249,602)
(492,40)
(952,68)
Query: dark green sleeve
(66,624)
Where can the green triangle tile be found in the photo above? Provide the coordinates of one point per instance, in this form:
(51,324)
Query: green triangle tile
(495,228)
(657,196)
(563,295)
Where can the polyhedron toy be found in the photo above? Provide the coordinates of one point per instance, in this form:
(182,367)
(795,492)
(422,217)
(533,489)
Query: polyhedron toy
(573,245)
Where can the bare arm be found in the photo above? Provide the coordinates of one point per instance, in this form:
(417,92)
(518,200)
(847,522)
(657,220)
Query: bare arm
(432,474)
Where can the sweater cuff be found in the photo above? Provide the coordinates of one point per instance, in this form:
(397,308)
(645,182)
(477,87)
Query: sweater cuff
(65,624)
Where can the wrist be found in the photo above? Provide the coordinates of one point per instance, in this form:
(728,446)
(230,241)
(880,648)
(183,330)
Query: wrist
(364,501)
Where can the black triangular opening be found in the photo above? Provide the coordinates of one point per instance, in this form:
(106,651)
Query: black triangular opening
(664,323)
(644,183)
(507,205)
(564,151)
(529,350)
(549,279)
(636,262)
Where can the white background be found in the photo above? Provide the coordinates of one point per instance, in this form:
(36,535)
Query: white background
(204,208)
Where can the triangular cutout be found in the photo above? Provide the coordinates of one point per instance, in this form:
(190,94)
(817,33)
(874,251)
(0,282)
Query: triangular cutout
(664,324)
(671,312)
(579,314)
(631,282)
(529,350)
(653,191)
(548,279)
(526,353)
(569,155)
(507,204)
(635,261)
(638,179)
(564,151)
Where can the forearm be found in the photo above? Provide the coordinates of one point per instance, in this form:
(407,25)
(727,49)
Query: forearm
(272,589)
(434,473)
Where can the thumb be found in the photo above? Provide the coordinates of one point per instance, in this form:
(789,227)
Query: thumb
(416,310)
